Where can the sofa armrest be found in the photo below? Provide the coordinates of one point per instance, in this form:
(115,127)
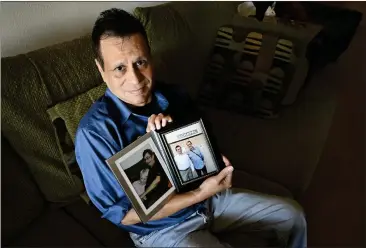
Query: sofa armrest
(55,228)
(22,201)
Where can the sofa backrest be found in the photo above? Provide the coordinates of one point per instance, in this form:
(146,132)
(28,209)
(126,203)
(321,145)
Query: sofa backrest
(31,83)
(22,201)
(182,35)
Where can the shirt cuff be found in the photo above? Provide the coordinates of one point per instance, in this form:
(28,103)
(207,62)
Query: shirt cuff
(117,212)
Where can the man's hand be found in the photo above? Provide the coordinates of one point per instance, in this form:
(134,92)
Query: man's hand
(157,121)
(177,202)
(216,184)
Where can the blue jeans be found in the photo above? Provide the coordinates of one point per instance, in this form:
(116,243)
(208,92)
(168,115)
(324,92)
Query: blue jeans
(233,218)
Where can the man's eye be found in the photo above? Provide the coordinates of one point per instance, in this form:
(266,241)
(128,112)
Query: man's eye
(141,63)
(120,68)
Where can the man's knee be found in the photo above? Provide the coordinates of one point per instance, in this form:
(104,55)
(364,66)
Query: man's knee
(293,212)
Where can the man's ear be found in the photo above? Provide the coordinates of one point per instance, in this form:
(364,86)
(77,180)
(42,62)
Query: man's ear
(100,69)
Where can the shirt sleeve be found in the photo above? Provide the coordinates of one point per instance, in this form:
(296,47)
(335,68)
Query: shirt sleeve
(101,185)
(201,154)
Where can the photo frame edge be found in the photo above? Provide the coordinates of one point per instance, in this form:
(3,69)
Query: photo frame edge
(210,146)
(111,162)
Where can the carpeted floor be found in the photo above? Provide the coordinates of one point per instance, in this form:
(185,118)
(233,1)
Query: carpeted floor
(335,200)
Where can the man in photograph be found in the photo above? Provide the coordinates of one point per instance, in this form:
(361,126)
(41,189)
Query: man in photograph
(197,158)
(135,103)
(184,164)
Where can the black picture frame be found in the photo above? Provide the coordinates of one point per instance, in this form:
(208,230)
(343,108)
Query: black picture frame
(212,152)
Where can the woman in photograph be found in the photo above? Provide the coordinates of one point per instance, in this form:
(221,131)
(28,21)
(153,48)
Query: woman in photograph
(157,183)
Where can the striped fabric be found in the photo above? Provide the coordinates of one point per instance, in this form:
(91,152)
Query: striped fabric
(250,71)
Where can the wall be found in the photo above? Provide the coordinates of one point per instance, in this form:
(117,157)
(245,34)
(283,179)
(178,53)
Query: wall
(26,26)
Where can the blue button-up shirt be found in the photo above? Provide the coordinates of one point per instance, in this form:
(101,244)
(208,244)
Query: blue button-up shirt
(107,128)
(197,158)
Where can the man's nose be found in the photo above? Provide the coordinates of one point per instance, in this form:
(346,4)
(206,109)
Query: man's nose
(135,76)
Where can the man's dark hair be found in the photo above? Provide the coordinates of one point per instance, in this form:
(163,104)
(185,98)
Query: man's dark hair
(114,23)
(177,146)
(147,151)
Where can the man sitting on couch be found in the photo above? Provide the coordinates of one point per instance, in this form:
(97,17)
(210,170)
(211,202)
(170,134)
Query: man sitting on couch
(134,104)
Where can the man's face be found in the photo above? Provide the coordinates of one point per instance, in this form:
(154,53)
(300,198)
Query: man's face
(149,159)
(127,68)
(179,149)
(189,144)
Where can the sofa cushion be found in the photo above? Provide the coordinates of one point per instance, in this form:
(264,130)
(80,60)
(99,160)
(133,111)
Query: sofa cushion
(55,228)
(22,201)
(31,83)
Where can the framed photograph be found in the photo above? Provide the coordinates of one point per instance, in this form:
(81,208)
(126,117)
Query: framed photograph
(143,175)
(191,156)
(158,164)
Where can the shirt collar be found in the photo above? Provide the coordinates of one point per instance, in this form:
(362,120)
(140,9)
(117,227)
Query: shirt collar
(125,112)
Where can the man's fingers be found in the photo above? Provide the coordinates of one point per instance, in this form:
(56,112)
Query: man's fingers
(224,173)
(151,123)
(163,122)
(228,180)
(152,117)
(226,160)
(157,122)
(151,126)
(168,118)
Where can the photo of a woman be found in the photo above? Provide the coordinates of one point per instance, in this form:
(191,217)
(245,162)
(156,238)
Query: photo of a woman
(143,174)
(157,183)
